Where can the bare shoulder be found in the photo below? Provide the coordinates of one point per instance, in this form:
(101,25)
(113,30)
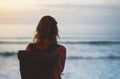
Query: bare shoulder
(61,50)
(28,47)
(61,47)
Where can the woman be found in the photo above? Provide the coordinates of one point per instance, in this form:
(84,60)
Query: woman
(47,34)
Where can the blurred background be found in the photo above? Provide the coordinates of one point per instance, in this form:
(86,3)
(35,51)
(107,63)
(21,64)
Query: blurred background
(89,29)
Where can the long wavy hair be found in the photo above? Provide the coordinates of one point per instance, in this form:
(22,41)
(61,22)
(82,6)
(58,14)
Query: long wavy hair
(46,30)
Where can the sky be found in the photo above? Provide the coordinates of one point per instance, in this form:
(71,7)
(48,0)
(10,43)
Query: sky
(30,11)
(97,14)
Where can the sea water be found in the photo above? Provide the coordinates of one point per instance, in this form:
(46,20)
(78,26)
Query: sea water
(89,56)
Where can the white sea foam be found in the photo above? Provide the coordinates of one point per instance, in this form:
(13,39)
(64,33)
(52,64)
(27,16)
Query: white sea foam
(85,59)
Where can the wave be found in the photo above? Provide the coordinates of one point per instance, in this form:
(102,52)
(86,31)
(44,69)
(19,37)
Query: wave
(10,42)
(7,54)
(15,37)
(110,56)
(92,42)
(70,42)
(93,57)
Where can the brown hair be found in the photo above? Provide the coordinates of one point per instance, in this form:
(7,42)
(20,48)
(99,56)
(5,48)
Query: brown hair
(46,30)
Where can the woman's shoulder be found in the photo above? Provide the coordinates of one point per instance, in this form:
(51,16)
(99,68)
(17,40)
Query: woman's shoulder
(61,49)
(28,46)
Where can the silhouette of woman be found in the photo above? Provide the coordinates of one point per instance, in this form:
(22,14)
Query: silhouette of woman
(47,34)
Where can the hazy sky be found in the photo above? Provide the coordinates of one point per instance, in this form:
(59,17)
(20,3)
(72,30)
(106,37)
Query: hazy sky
(68,11)
(86,15)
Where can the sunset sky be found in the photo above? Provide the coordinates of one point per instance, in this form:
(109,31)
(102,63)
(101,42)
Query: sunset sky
(101,15)
(29,11)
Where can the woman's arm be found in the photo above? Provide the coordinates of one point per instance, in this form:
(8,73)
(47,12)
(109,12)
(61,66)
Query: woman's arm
(28,47)
(61,51)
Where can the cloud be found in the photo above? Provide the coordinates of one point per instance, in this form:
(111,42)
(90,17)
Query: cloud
(66,14)
(31,2)
(78,1)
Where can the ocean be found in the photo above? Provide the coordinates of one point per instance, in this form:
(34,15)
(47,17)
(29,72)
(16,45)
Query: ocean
(90,55)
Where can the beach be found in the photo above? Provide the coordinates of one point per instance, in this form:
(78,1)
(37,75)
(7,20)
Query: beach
(89,29)
(87,58)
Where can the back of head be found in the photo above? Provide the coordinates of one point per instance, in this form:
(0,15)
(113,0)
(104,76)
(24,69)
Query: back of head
(46,30)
